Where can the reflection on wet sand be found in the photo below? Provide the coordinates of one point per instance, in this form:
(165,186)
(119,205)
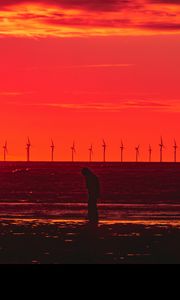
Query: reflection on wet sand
(76,241)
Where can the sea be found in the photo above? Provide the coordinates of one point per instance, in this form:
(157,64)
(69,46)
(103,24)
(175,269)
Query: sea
(56,190)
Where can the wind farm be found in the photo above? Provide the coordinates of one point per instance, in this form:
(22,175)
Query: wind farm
(94,150)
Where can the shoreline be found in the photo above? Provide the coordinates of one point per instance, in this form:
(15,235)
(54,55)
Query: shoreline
(51,221)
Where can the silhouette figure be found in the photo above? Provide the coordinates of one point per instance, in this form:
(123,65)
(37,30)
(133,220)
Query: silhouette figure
(93,187)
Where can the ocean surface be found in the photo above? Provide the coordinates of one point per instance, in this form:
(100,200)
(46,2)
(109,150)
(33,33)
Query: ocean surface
(129,191)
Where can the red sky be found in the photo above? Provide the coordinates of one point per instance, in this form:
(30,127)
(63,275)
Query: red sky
(86,70)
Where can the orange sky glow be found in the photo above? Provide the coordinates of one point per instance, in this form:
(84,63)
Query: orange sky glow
(87,71)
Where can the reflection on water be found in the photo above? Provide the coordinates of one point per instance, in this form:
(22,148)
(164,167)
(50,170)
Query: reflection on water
(73,223)
(108,213)
(29,240)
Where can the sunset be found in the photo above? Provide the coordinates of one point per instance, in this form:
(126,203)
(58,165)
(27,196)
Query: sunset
(84,83)
(74,70)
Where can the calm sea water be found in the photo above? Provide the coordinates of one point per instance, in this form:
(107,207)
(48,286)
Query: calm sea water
(129,191)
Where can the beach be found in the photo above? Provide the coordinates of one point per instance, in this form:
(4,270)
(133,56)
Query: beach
(47,223)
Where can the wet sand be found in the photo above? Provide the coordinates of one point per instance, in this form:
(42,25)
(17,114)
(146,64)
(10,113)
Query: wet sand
(33,241)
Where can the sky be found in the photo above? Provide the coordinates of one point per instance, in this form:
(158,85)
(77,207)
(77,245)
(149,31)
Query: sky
(84,71)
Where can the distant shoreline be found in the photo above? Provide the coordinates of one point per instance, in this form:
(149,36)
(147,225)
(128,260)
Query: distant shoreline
(89,163)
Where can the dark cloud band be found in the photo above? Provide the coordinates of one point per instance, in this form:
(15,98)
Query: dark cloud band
(102,5)
(92,17)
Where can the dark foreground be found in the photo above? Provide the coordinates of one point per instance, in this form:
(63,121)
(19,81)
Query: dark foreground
(76,242)
(139,206)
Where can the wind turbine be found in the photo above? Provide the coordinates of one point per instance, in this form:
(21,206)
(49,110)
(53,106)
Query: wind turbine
(104,150)
(5,150)
(150,153)
(28,146)
(73,149)
(175,151)
(137,153)
(52,150)
(122,150)
(90,153)
(161,145)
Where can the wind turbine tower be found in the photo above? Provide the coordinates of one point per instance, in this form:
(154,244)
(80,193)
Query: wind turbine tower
(52,150)
(90,153)
(73,151)
(122,150)
(175,151)
(28,146)
(137,153)
(5,150)
(150,153)
(104,150)
(161,145)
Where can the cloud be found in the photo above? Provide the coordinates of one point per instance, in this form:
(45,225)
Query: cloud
(161,26)
(109,107)
(99,66)
(176,2)
(97,5)
(72,18)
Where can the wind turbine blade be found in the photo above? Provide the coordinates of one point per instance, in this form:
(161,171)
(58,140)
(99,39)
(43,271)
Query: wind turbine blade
(74,147)
(29,142)
(162,142)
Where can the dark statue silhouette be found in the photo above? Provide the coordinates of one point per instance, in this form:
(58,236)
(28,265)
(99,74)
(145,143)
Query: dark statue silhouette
(93,187)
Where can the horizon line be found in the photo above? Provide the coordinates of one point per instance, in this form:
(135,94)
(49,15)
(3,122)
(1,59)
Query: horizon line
(84,161)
